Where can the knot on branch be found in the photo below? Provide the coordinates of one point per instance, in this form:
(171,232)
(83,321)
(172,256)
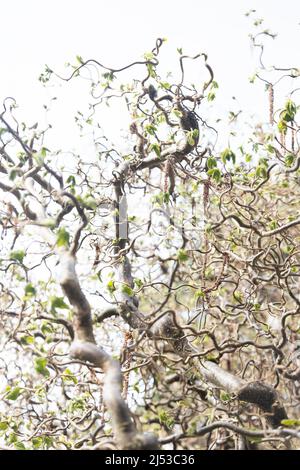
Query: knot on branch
(266,398)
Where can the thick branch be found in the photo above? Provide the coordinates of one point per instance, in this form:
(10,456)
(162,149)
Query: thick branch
(84,348)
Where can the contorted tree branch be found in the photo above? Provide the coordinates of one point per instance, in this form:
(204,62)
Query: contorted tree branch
(84,347)
(193,301)
(167,327)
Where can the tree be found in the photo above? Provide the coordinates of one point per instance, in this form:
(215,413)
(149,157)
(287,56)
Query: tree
(168,323)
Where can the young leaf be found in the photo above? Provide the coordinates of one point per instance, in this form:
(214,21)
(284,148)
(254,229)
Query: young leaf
(211,162)
(111,286)
(14,394)
(17,255)
(182,255)
(290,422)
(216,174)
(228,155)
(127,290)
(199,293)
(57,302)
(156,149)
(40,364)
(289,159)
(63,237)
(29,290)
(79,59)
(19,445)
(138,282)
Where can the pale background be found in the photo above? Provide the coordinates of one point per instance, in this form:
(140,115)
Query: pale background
(34,33)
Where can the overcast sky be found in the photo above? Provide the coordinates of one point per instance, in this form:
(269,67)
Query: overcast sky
(38,32)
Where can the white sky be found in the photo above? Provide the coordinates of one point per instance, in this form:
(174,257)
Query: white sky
(37,32)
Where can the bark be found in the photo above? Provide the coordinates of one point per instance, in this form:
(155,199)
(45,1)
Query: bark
(84,348)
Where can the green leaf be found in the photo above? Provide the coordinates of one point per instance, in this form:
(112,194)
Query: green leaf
(151,70)
(71,179)
(37,442)
(199,293)
(109,76)
(190,138)
(215,173)
(138,282)
(148,56)
(182,255)
(165,418)
(228,155)
(273,225)
(289,159)
(282,127)
(90,202)
(160,198)
(19,445)
(27,339)
(63,237)
(111,286)
(290,110)
(214,84)
(44,151)
(286,117)
(166,198)
(225,396)
(165,85)
(46,328)
(150,129)
(126,289)
(261,172)
(3,425)
(177,113)
(14,394)
(48,441)
(12,438)
(13,175)
(17,255)
(29,290)
(195,133)
(290,422)
(68,376)
(211,162)
(238,296)
(79,59)
(270,148)
(156,148)
(57,302)
(40,364)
